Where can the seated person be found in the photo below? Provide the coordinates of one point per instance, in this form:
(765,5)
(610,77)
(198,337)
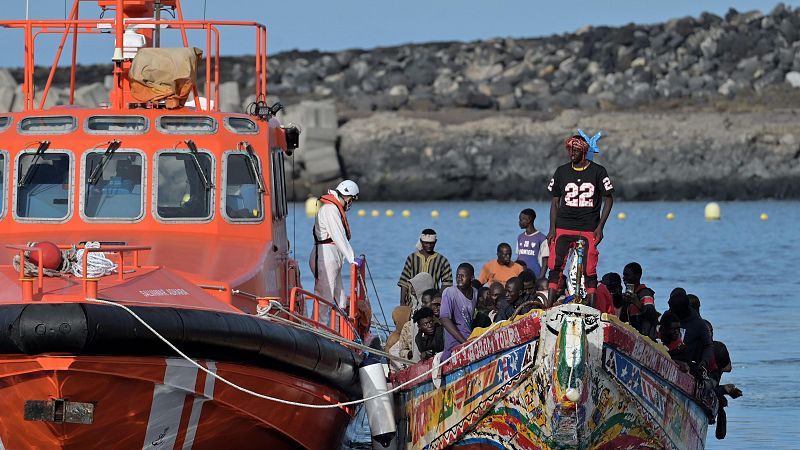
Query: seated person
(458,306)
(603,301)
(436,304)
(481,318)
(671,336)
(512,305)
(430,338)
(699,345)
(500,269)
(642,312)
(613,282)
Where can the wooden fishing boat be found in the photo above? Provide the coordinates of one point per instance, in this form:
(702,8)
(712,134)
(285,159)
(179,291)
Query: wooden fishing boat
(189,204)
(566,378)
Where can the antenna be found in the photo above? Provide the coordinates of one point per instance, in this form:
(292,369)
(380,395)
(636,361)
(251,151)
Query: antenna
(26,9)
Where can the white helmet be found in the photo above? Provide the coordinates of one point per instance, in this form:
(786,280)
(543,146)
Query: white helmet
(348,187)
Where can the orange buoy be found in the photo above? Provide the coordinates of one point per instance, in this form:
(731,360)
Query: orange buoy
(51,255)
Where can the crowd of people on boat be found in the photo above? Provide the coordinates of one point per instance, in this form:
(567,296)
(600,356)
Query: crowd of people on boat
(438,312)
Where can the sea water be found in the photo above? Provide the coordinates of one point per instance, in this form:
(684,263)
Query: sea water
(745,270)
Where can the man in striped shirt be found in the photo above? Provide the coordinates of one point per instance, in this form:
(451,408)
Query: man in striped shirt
(425,259)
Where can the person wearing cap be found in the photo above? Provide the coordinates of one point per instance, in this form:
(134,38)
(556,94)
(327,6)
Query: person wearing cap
(579,189)
(425,259)
(332,243)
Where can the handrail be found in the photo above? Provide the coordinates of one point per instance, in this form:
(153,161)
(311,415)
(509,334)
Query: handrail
(338,319)
(76,26)
(22,249)
(360,307)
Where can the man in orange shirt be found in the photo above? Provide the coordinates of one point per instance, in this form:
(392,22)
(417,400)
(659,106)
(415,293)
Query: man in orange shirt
(500,269)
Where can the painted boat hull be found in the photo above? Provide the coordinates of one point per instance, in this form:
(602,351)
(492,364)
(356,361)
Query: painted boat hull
(156,403)
(580,380)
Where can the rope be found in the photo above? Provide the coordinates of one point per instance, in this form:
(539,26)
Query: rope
(377,297)
(97,265)
(288,402)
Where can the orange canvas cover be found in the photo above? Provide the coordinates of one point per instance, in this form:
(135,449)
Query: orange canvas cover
(164,74)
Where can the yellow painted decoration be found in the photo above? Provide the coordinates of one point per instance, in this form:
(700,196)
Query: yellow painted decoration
(463,214)
(764,216)
(670,216)
(389,213)
(312,206)
(361,213)
(376,213)
(712,211)
(406,213)
(434,213)
(622,216)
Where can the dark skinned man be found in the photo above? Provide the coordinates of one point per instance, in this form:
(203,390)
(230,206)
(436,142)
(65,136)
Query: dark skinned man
(425,259)
(500,269)
(458,307)
(579,189)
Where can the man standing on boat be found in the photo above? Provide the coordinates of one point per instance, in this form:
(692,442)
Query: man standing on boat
(332,243)
(425,259)
(578,189)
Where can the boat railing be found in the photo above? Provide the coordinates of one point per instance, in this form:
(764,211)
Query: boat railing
(90,285)
(75,26)
(338,322)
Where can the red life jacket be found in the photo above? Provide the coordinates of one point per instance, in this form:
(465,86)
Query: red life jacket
(332,200)
(633,310)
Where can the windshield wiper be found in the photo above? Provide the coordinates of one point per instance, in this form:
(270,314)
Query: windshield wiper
(43,146)
(203,176)
(98,171)
(256,173)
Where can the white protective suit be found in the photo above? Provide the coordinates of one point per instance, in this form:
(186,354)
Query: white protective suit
(328,225)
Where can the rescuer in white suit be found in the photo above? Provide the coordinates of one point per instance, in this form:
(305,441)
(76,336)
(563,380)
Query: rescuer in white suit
(332,244)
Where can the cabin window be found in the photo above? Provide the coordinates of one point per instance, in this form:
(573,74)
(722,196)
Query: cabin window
(48,125)
(184,190)
(43,186)
(116,125)
(186,125)
(5,122)
(243,186)
(241,125)
(112,190)
(279,206)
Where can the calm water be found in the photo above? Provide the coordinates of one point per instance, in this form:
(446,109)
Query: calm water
(744,270)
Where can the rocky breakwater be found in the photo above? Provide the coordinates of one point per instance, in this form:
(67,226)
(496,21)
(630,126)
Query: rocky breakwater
(697,58)
(649,155)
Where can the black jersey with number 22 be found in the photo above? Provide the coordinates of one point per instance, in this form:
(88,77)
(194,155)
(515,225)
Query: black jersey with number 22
(581,193)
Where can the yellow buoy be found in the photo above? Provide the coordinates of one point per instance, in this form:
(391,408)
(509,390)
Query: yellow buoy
(622,216)
(375,213)
(712,211)
(406,213)
(312,206)
(434,213)
(463,214)
(361,213)
(670,216)
(764,216)
(389,213)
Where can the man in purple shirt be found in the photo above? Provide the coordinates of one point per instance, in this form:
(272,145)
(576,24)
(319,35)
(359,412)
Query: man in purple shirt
(458,306)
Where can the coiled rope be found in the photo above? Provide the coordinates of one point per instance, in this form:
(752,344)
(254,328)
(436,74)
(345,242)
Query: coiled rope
(289,402)
(97,265)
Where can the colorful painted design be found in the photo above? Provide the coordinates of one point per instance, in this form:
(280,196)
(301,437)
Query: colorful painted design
(438,417)
(616,403)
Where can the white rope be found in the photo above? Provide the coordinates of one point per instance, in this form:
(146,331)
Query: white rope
(97,265)
(288,402)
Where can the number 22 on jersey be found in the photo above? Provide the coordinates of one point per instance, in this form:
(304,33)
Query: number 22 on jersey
(579,196)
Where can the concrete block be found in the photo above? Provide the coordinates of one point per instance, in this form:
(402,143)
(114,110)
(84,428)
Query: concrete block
(229,97)
(6,79)
(6,98)
(321,164)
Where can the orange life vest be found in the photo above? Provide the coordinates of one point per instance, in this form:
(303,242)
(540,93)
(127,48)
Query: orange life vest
(332,200)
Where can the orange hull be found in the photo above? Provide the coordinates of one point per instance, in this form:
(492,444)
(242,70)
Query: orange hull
(150,402)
